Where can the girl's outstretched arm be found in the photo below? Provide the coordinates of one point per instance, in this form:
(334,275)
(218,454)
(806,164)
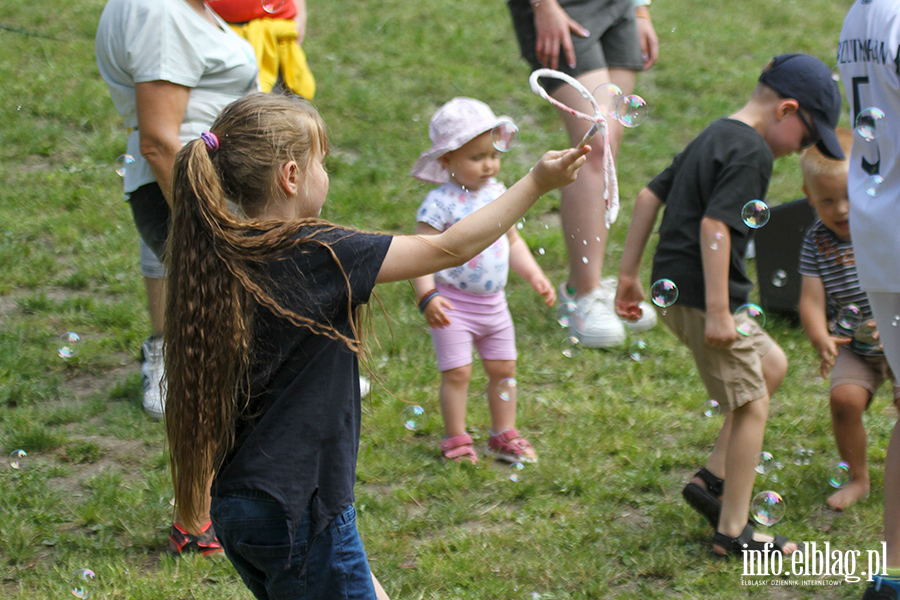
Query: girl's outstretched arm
(413,256)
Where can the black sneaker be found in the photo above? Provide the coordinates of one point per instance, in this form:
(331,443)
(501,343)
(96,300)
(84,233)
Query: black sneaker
(206,543)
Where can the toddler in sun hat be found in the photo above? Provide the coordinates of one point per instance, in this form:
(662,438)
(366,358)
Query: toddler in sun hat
(465,306)
(456,123)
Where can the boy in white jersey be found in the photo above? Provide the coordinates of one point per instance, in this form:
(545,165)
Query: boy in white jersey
(869,61)
(831,289)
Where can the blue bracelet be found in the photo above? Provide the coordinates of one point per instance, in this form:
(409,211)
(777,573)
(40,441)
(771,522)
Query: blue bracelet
(428,298)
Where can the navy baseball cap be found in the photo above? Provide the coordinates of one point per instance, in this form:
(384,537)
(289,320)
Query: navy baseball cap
(807,80)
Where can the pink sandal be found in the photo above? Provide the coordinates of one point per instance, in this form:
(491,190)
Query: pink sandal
(459,447)
(509,446)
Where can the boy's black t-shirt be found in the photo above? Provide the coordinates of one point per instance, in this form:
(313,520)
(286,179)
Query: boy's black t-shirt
(723,168)
(298,437)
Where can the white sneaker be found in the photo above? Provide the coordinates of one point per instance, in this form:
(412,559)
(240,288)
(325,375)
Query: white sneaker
(648,313)
(152,377)
(594,324)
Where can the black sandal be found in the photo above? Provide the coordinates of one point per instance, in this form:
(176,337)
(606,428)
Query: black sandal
(706,500)
(745,541)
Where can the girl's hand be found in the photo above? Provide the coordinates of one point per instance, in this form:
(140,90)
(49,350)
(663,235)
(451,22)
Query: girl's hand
(554,28)
(649,42)
(558,168)
(542,286)
(721,331)
(629,294)
(827,349)
(436,312)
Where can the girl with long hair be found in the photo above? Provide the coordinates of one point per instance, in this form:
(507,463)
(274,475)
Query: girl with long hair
(262,340)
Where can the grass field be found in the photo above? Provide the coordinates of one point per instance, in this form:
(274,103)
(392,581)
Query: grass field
(601,516)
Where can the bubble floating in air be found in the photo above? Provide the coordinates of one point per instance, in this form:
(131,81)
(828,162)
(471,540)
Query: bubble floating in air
(632,110)
(638,351)
(413,417)
(516,471)
(664,293)
(767,508)
(873,184)
(755,214)
(749,318)
(507,389)
(122,163)
(566,310)
(607,96)
(571,347)
(849,317)
(505,136)
(83,582)
(779,278)
(716,240)
(710,408)
(272,6)
(839,475)
(870,123)
(765,462)
(17,459)
(69,345)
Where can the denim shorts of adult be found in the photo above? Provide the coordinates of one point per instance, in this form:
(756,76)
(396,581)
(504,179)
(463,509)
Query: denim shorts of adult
(613,42)
(252,529)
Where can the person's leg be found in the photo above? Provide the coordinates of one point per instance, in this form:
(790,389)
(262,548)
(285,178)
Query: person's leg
(156,303)
(582,208)
(379,591)
(848,403)
(454,397)
(503,410)
(886,308)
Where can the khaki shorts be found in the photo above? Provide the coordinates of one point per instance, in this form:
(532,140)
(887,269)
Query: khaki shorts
(732,376)
(868,372)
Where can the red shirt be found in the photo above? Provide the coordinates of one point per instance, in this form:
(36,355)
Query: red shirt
(241,11)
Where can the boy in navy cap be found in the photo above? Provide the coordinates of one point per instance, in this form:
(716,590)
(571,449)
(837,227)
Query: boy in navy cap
(702,243)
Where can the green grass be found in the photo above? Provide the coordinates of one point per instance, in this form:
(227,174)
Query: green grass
(600,517)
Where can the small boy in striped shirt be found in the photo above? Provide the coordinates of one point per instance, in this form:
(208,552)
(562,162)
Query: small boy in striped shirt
(836,315)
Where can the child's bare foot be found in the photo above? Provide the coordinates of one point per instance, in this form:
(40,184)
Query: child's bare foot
(849,495)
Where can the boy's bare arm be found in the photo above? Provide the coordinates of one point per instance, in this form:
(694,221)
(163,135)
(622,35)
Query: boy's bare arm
(629,292)
(815,323)
(720,327)
(522,262)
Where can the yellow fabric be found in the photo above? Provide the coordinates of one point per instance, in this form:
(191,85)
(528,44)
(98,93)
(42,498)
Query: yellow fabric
(275,44)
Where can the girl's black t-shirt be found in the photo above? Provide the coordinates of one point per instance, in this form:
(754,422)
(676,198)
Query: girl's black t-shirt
(298,436)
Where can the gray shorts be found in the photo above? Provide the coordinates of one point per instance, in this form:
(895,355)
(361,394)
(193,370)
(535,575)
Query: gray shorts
(613,42)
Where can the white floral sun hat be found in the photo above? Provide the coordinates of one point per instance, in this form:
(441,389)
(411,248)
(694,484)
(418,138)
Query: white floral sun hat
(455,124)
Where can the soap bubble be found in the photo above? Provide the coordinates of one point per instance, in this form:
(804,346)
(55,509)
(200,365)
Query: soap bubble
(716,240)
(571,347)
(272,6)
(839,475)
(767,508)
(122,163)
(69,345)
(607,96)
(664,293)
(755,214)
(507,389)
(541,251)
(710,408)
(505,136)
(765,462)
(17,459)
(873,184)
(849,317)
(413,417)
(632,110)
(870,123)
(803,456)
(83,583)
(748,318)
(638,351)
(895,320)
(516,471)
(566,310)
(779,278)
(584,259)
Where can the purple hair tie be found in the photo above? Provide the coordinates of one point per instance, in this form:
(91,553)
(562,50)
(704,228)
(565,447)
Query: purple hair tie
(210,139)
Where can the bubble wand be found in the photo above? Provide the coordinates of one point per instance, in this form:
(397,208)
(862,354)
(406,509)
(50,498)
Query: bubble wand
(600,125)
